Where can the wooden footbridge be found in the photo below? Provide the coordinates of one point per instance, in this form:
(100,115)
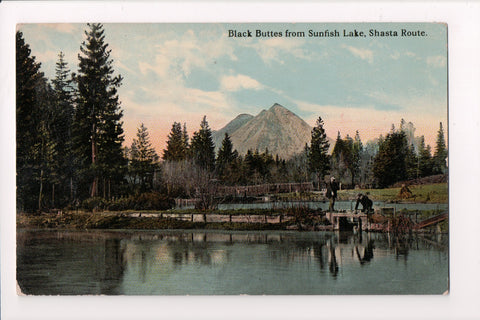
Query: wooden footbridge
(346,220)
(431,221)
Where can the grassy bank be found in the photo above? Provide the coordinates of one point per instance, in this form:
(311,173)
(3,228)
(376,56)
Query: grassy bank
(128,219)
(431,193)
(428,193)
(110,220)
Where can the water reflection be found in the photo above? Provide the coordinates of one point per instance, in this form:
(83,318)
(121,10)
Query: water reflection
(176,262)
(367,253)
(333,265)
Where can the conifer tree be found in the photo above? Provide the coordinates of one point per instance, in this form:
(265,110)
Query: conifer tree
(97,129)
(143,159)
(186,141)
(425,160)
(318,158)
(411,163)
(225,153)
(176,144)
(356,157)
(337,163)
(63,109)
(203,148)
(35,147)
(441,153)
(390,162)
(226,157)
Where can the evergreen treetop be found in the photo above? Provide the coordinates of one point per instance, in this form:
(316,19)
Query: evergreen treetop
(318,158)
(176,144)
(98,132)
(203,148)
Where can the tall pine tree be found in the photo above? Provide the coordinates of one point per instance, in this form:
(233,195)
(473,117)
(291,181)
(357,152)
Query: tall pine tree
(62,130)
(35,152)
(318,158)
(177,144)
(226,156)
(98,132)
(143,160)
(186,141)
(203,148)
(356,157)
(441,153)
(390,163)
(425,161)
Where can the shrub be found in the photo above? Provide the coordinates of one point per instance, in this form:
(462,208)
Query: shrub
(120,204)
(143,201)
(92,204)
(152,201)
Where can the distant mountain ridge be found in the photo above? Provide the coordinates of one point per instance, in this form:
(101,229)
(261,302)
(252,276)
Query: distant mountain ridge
(231,127)
(277,129)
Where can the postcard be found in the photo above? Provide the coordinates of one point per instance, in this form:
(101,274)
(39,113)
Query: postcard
(232,159)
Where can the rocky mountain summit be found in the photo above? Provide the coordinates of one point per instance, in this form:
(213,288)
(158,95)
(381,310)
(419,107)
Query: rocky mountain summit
(277,129)
(230,128)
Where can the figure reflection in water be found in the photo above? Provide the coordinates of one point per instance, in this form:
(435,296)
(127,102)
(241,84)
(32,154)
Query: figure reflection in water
(368,253)
(319,255)
(333,265)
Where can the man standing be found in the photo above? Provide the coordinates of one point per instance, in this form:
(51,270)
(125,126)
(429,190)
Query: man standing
(332,189)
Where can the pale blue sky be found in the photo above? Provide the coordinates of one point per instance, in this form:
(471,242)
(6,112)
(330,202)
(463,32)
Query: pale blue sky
(180,72)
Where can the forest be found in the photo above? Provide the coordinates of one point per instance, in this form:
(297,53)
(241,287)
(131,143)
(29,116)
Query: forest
(71,149)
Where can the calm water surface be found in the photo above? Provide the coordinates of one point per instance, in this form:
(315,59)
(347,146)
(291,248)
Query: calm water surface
(229,263)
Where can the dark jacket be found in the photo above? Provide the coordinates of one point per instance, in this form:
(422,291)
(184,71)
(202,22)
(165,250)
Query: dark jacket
(366,203)
(332,189)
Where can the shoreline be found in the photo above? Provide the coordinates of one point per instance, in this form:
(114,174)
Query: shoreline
(241,220)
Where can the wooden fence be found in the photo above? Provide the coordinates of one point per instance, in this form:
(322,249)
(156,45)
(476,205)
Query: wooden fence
(261,189)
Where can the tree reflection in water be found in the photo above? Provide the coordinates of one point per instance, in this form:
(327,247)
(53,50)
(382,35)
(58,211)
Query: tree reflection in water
(114,266)
(170,262)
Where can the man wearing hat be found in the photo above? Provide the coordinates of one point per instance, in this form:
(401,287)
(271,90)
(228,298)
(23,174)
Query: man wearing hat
(331,194)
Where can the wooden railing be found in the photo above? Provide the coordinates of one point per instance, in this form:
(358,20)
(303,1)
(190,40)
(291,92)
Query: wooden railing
(260,189)
(431,221)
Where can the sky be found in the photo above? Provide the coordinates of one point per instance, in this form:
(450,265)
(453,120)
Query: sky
(181,72)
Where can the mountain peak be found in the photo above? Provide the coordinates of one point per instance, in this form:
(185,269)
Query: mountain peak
(230,128)
(243,116)
(277,106)
(277,129)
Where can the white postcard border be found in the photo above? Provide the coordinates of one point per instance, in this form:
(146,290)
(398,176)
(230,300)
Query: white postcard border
(464,160)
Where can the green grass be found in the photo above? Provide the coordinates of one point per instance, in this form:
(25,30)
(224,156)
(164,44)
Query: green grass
(432,193)
(114,221)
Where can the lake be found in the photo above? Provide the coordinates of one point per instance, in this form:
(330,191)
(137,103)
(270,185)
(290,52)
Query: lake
(52,262)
